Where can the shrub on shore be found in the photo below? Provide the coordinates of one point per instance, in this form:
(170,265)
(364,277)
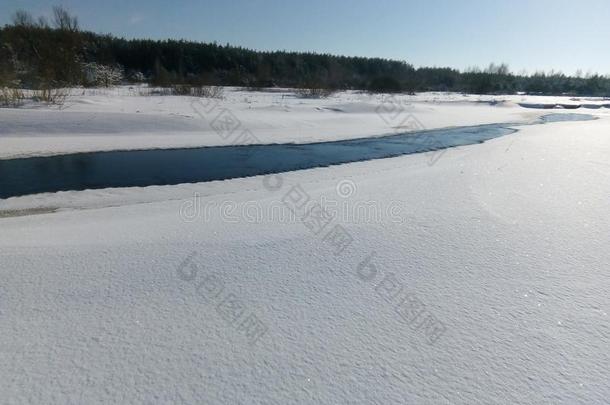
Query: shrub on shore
(184,90)
(15,97)
(11,97)
(51,95)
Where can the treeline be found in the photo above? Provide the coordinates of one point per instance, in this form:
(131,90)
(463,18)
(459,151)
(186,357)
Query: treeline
(35,52)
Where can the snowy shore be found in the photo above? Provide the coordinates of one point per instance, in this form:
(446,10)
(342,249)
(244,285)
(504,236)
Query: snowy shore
(120,119)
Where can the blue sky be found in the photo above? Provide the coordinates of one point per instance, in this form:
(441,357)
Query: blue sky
(532,35)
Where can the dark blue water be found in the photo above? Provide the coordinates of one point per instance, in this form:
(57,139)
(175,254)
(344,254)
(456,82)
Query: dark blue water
(174,166)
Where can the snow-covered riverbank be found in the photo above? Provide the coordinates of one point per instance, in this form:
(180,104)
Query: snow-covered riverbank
(120,119)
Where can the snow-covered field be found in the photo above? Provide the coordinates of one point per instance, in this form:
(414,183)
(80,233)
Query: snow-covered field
(94,120)
(215,293)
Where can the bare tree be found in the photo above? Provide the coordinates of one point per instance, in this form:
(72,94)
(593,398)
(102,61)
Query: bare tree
(63,20)
(42,22)
(501,69)
(22,18)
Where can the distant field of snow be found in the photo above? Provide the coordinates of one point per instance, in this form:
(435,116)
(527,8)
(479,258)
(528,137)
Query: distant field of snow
(207,293)
(100,120)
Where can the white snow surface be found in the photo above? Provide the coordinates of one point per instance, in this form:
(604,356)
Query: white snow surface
(505,242)
(121,119)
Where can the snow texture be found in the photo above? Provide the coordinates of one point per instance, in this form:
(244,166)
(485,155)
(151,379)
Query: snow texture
(121,295)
